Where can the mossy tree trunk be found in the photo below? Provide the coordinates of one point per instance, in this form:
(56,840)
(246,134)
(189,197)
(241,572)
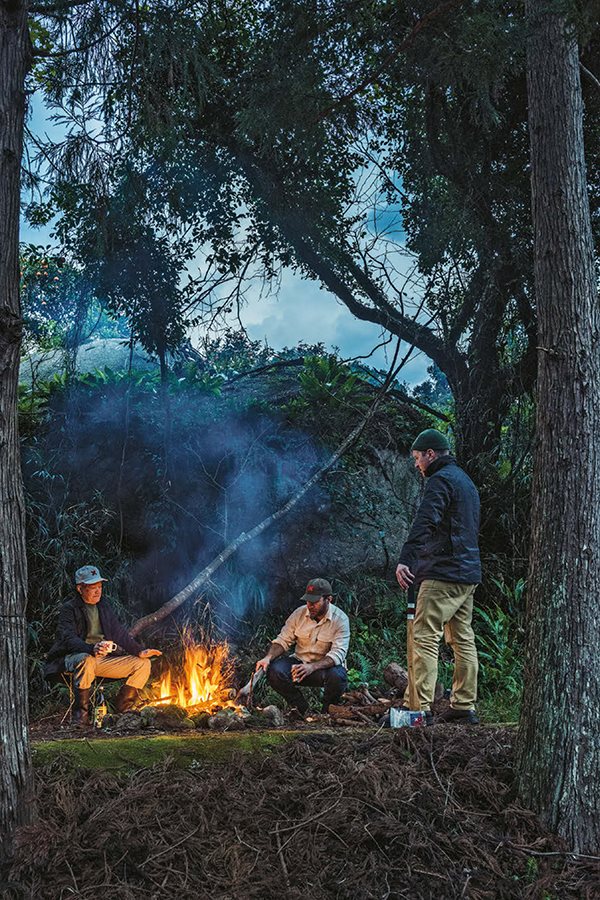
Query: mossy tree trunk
(559,737)
(15,764)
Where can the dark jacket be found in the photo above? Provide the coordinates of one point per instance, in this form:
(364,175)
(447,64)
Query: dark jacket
(442,542)
(71,633)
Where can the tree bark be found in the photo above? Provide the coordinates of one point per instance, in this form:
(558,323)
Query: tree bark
(15,764)
(559,736)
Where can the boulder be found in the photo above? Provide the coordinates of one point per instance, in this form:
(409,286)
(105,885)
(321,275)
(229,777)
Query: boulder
(200,719)
(166,718)
(129,721)
(226,720)
(273,715)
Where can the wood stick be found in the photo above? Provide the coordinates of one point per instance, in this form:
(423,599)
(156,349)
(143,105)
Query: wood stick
(247,690)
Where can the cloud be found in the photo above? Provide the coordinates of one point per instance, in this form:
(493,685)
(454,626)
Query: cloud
(302,311)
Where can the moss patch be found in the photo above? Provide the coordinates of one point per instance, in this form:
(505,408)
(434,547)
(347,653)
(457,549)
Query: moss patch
(139,751)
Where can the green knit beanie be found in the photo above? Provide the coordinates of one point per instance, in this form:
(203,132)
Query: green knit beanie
(430,439)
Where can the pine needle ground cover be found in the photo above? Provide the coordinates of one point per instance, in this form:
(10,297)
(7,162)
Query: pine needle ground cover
(414,813)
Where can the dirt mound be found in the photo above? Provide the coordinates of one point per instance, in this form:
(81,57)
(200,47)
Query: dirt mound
(418,813)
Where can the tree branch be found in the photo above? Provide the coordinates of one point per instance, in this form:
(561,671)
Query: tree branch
(589,75)
(304,239)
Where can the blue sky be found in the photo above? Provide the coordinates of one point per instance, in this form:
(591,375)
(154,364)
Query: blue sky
(301,310)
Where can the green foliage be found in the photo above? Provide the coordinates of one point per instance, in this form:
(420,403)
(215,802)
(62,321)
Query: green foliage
(324,381)
(372,648)
(233,352)
(499,638)
(60,308)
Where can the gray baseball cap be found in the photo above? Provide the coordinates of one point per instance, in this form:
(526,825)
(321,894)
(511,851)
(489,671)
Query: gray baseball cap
(88,575)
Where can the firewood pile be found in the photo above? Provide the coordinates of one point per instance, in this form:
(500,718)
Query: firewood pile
(359,706)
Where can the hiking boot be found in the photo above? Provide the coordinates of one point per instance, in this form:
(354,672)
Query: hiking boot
(126,698)
(81,704)
(458,717)
(297,715)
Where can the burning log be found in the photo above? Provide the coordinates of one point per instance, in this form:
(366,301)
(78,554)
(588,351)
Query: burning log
(199,680)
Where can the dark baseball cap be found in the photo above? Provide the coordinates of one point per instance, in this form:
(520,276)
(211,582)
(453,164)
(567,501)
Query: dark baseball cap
(317,587)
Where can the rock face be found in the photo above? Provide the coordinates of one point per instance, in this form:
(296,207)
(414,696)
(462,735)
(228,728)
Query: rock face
(370,512)
(97,353)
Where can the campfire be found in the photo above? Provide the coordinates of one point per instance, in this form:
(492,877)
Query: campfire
(201,680)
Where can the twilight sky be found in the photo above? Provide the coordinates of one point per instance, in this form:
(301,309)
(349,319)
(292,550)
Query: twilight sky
(300,311)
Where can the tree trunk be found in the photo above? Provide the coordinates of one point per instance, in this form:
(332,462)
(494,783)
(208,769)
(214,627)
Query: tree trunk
(15,767)
(559,736)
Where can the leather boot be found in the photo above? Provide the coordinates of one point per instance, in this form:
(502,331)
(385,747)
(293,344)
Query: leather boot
(125,698)
(81,704)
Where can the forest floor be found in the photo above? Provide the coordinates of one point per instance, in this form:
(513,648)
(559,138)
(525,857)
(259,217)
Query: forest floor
(310,813)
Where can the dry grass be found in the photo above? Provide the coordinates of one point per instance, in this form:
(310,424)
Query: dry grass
(421,813)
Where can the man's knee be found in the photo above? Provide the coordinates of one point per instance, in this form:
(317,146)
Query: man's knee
(336,678)
(84,671)
(464,640)
(425,639)
(277,672)
(142,667)
(86,666)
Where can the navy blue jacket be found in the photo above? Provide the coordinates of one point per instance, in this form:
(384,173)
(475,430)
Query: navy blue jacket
(72,629)
(443,541)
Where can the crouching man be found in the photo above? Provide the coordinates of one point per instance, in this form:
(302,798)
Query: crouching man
(91,642)
(321,633)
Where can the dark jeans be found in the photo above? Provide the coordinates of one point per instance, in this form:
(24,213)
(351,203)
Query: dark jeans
(279,675)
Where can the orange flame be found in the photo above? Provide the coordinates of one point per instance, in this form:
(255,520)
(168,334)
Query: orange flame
(203,680)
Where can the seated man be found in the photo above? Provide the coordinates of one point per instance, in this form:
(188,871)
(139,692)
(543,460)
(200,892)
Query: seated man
(90,642)
(321,633)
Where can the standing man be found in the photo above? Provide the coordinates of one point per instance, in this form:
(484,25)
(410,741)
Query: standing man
(91,642)
(440,557)
(321,634)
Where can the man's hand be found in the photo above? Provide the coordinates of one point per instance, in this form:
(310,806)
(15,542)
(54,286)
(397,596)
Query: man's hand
(301,670)
(263,664)
(103,648)
(146,654)
(404,576)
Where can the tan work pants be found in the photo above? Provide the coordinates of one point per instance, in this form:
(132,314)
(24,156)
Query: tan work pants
(443,607)
(86,668)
